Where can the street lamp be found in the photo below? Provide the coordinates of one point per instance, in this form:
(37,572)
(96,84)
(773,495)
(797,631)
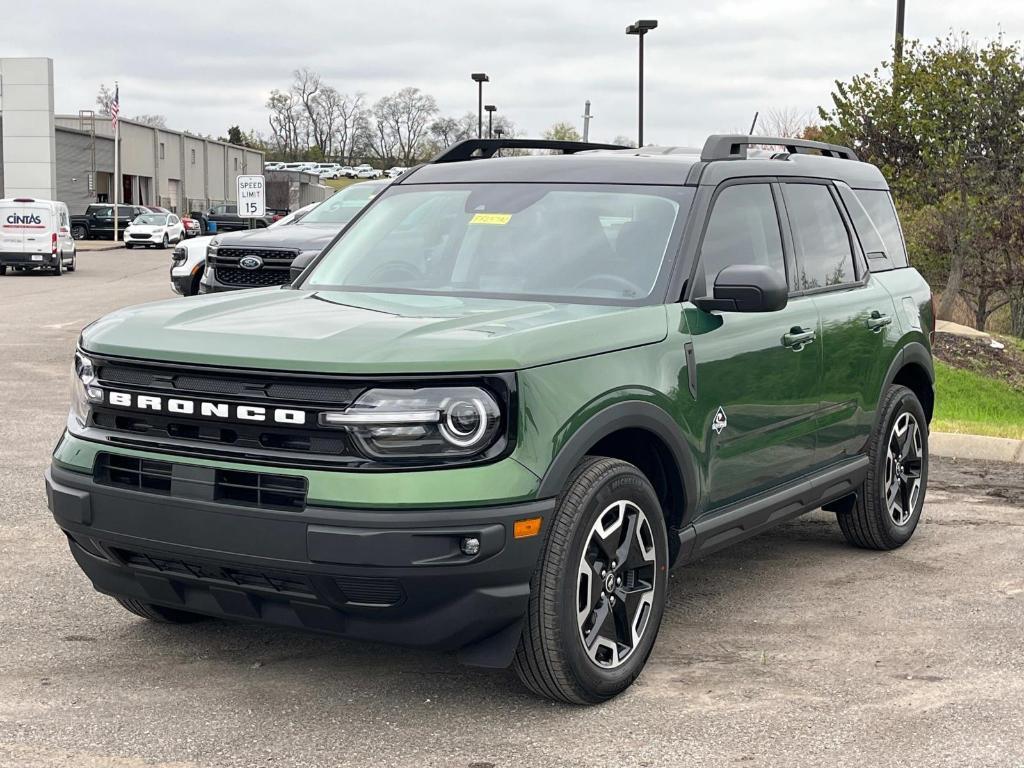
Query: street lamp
(480,78)
(641,28)
(490,120)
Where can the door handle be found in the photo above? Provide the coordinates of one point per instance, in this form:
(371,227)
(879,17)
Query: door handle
(797,338)
(878,321)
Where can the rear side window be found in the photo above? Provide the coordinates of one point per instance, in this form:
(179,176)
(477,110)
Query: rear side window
(822,242)
(743,229)
(878,203)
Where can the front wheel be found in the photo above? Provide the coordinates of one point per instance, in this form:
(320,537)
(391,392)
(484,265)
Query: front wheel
(598,594)
(164,243)
(79,232)
(889,502)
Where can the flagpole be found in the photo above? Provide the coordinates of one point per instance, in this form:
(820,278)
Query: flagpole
(117,155)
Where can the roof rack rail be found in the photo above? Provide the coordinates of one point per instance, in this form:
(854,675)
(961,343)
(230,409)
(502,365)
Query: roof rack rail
(481,149)
(734,147)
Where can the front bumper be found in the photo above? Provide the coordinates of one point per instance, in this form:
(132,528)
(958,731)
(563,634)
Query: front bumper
(385,576)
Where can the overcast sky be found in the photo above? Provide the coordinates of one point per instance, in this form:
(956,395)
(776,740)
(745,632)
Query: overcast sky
(710,64)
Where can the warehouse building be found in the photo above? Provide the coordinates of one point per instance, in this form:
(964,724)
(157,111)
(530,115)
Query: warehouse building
(71,157)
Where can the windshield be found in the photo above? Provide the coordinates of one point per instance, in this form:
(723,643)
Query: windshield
(151,219)
(342,206)
(587,242)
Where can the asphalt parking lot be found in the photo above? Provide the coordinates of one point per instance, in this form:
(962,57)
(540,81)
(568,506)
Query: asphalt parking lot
(789,649)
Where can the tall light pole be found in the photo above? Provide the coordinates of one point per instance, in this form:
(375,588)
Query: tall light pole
(640,29)
(490,119)
(480,78)
(901,15)
(586,120)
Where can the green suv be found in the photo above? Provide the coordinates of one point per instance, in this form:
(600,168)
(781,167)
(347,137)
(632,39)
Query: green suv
(511,394)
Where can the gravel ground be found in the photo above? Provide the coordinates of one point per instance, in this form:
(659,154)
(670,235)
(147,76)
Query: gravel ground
(788,649)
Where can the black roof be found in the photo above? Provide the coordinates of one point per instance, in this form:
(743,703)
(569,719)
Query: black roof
(676,166)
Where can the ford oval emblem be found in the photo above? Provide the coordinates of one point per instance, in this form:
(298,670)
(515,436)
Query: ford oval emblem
(250,262)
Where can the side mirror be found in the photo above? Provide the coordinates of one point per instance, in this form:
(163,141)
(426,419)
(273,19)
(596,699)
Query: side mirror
(299,264)
(747,288)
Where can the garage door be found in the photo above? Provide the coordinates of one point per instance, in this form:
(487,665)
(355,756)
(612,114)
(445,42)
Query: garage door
(173,187)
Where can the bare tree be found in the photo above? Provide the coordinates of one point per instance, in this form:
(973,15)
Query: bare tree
(402,122)
(306,89)
(154,121)
(786,122)
(104,98)
(284,121)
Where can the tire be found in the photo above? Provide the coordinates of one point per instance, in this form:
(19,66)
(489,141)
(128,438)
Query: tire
(194,285)
(552,659)
(3,270)
(875,520)
(159,613)
(164,243)
(128,246)
(79,232)
(74,261)
(58,268)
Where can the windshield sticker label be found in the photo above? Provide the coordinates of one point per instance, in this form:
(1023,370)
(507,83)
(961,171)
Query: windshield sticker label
(500,219)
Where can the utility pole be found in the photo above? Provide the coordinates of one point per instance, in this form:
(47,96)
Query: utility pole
(901,14)
(586,120)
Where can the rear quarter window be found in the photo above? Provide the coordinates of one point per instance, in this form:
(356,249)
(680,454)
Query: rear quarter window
(879,206)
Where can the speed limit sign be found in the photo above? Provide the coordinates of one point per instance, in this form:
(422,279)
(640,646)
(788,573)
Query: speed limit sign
(252,196)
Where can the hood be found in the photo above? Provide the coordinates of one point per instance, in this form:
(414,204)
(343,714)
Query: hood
(367,333)
(305,237)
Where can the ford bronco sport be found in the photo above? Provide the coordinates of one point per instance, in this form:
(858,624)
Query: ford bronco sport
(495,410)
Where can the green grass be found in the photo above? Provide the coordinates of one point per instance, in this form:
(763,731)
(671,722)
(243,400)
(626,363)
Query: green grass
(970,403)
(341,183)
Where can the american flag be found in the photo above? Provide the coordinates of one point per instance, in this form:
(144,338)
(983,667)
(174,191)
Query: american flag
(115,107)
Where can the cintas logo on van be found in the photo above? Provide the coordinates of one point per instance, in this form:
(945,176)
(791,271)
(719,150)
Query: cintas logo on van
(24,220)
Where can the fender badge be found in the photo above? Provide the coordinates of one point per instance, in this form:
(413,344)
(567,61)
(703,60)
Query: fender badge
(720,422)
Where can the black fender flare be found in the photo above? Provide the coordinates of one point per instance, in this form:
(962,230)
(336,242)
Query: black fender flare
(635,414)
(913,352)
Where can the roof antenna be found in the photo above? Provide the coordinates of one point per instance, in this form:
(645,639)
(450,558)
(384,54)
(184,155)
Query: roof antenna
(753,125)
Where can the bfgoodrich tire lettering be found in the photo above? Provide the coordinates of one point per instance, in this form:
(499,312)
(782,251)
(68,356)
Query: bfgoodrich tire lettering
(552,658)
(888,507)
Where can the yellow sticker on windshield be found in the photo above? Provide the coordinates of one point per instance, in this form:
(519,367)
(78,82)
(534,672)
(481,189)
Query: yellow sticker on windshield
(491,218)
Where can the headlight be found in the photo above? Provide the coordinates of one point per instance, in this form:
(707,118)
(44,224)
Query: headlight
(84,389)
(452,422)
(179,254)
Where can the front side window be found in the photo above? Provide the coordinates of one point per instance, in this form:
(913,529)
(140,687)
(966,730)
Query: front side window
(743,229)
(822,242)
(586,242)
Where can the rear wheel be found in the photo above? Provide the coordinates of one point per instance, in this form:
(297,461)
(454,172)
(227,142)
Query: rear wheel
(3,270)
(889,503)
(598,594)
(58,268)
(74,261)
(159,613)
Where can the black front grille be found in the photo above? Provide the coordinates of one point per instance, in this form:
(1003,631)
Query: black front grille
(276,268)
(362,590)
(251,278)
(282,582)
(249,489)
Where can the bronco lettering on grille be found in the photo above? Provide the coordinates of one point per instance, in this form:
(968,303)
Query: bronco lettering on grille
(206,409)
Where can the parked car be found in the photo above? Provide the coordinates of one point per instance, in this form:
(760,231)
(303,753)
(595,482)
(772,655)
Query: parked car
(272,166)
(154,229)
(192,226)
(507,398)
(224,218)
(36,234)
(367,172)
(395,171)
(260,258)
(189,258)
(98,220)
(348,171)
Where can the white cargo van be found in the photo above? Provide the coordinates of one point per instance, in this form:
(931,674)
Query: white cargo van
(35,234)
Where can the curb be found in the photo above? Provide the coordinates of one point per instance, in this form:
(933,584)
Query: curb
(93,246)
(958,446)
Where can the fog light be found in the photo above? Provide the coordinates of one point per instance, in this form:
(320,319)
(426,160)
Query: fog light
(470,545)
